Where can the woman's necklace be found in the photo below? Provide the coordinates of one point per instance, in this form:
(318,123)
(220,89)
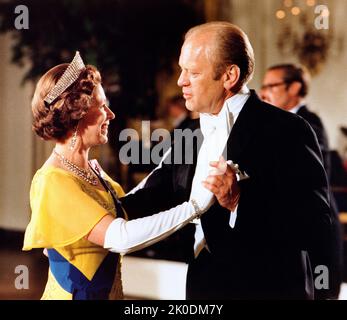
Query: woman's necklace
(86,175)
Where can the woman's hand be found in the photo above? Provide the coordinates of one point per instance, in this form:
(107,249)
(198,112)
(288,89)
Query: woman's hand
(203,197)
(222,182)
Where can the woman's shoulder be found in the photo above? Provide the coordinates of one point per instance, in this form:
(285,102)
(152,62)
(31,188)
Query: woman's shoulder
(48,171)
(50,176)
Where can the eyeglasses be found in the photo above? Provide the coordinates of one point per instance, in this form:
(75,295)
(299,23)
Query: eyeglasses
(273,85)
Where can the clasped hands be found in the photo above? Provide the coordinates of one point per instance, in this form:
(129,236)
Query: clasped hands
(221,183)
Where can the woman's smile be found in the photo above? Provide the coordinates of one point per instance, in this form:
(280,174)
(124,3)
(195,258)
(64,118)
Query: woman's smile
(104,128)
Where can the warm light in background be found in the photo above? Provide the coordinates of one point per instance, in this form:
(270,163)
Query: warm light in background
(295,11)
(280,14)
(288,3)
(311,3)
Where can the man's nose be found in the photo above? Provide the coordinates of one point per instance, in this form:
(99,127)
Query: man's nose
(263,94)
(183,79)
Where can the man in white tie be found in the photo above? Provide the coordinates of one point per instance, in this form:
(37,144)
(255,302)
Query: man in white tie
(255,241)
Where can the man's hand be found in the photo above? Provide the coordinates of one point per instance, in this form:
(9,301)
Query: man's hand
(222,182)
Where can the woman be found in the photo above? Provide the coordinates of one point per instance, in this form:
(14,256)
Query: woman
(76,214)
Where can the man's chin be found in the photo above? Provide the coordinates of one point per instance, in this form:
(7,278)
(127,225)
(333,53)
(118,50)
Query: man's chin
(190,106)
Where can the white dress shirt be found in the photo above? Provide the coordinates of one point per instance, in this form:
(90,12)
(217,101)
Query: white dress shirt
(216,130)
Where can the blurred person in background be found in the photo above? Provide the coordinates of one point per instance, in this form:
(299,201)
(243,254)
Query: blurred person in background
(286,86)
(178,113)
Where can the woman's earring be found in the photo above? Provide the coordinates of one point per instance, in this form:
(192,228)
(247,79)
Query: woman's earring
(74,139)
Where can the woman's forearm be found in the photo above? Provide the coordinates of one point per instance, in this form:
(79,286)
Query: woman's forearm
(127,236)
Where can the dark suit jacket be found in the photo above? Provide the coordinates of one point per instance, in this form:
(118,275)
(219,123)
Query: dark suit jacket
(186,123)
(317,126)
(282,218)
(337,243)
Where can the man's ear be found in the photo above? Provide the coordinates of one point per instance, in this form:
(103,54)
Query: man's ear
(294,88)
(231,77)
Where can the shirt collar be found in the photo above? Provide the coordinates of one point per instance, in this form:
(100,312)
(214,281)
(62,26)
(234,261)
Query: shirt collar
(235,103)
(228,114)
(297,107)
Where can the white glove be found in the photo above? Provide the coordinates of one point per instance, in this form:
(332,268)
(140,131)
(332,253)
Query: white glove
(127,236)
(203,197)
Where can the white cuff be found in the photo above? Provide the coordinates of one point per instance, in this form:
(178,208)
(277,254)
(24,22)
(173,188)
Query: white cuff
(233,216)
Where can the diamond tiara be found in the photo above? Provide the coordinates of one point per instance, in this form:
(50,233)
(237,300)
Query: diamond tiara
(70,75)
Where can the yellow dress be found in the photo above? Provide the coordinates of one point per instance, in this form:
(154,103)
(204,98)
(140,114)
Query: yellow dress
(65,209)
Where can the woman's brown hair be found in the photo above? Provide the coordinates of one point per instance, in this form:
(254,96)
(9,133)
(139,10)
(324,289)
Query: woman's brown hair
(54,121)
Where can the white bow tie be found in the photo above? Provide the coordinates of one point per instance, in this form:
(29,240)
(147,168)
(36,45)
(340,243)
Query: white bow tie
(221,122)
(226,118)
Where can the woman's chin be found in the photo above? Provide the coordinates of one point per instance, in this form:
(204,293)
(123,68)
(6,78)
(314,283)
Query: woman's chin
(102,139)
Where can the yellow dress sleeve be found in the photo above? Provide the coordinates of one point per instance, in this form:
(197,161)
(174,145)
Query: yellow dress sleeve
(62,211)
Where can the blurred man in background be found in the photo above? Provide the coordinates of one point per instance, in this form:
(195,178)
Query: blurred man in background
(286,86)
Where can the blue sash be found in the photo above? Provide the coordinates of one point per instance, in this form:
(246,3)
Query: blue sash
(75,282)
